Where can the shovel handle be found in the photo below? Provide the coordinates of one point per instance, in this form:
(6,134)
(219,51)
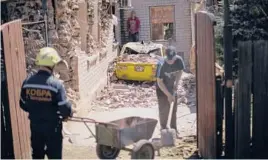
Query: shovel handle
(170,114)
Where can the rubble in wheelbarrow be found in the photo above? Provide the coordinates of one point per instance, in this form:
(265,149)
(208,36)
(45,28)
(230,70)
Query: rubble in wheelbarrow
(143,95)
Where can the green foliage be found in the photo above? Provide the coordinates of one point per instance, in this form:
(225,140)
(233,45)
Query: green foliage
(219,38)
(219,35)
(249,21)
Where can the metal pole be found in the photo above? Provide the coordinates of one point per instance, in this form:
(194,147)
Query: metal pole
(45,11)
(228,62)
(46,26)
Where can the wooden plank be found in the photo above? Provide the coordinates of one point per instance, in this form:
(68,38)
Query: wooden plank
(205,56)
(15,61)
(242,149)
(16,72)
(23,76)
(11,92)
(260,100)
(20,79)
(16,86)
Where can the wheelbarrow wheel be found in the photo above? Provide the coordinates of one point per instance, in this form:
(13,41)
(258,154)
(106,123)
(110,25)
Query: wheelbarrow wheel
(143,149)
(106,152)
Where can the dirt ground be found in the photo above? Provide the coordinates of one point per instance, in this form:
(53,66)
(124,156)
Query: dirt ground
(80,144)
(184,149)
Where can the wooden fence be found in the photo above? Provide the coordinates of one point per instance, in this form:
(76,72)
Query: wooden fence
(251,101)
(14,57)
(206,83)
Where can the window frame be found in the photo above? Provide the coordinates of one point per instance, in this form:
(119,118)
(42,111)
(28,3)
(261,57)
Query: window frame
(174,23)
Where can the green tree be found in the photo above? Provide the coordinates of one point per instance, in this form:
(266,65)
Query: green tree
(249,19)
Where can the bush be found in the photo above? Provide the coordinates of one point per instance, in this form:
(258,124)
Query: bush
(249,21)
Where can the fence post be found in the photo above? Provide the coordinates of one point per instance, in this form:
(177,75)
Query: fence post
(236,82)
(260,100)
(219,115)
(242,132)
(206,93)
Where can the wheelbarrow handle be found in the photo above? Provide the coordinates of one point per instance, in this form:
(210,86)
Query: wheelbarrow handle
(82,119)
(89,120)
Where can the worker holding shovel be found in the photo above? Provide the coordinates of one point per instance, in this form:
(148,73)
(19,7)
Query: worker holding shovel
(43,96)
(169,71)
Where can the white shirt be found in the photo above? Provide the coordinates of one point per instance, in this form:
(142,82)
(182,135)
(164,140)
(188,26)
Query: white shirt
(115,20)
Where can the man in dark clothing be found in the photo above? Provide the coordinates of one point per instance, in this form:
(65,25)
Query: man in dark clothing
(43,96)
(133,26)
(169,71)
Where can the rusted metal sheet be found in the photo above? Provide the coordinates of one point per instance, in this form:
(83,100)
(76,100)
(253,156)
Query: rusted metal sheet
(205,74)
(16,72)
(162,14)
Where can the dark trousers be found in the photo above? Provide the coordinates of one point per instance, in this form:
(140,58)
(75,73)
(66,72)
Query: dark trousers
(164,106)
(46,140)
(134,37)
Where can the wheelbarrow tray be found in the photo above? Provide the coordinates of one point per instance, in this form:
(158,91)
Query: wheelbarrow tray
(124,132)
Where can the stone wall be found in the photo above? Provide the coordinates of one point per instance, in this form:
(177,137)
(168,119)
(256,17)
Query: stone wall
(93,73)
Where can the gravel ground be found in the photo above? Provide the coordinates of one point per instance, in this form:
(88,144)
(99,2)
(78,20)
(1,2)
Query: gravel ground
(81,144)
(184,149)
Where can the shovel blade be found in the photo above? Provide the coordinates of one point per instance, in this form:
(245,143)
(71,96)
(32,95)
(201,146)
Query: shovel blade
(168,137)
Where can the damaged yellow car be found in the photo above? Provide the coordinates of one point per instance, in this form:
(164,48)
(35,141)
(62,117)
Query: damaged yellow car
(127,68)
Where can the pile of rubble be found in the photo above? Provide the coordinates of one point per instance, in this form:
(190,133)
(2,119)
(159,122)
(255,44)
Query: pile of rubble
(139,58)
(63,34)
(185,148)
(187,90)
(118,96)
(33,33)
(122,94)
(104,22)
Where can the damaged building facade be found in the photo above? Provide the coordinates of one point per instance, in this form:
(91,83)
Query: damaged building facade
(82,33)
(162,21)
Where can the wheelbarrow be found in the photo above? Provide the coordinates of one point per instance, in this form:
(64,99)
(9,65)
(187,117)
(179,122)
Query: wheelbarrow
(131,134)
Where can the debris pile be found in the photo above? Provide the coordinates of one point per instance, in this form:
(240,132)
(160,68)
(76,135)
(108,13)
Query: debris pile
(187,90)
(63,32)
(118,96)
(73,97)
(184,149)
(104,22)
(122,94)
(139,58)
(33,33)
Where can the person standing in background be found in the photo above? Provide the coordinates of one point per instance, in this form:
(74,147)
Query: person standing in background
(133,26)
(115,23)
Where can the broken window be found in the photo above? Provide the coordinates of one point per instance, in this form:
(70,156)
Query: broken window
(162,22)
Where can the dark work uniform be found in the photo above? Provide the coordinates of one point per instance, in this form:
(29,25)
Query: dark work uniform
(163,72)
(43,97)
